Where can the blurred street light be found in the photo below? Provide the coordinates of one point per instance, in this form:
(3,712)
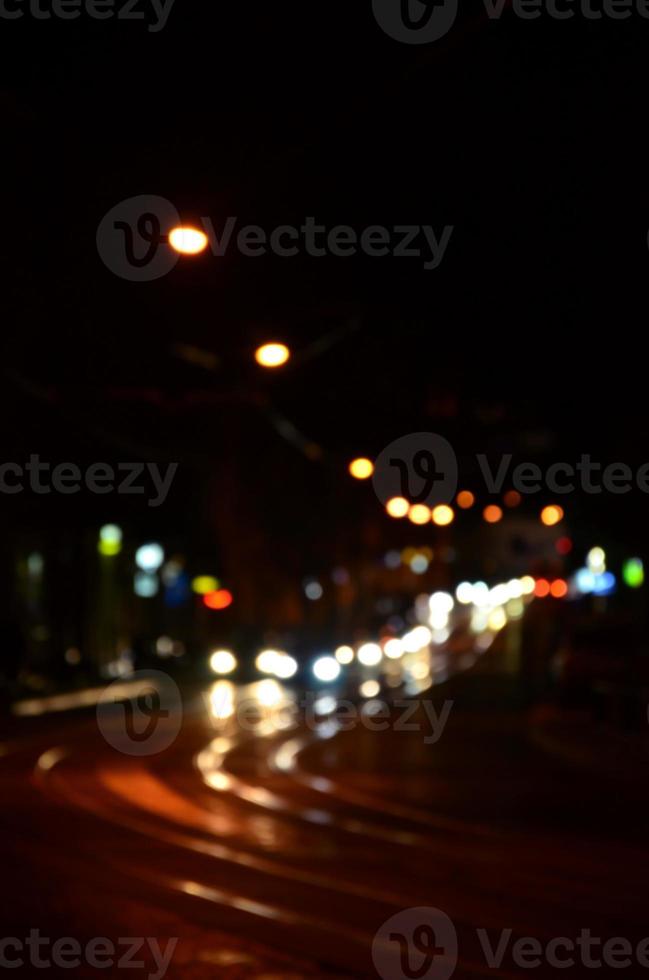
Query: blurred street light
(203,584)
(272,355)
(596,561)
(150,557)
(369,689)
(559,589)
(285,667)
(361,469)
(397,507)
(188,241)
(267,661)
(110,540)
(344,655)
(220,599)
(326,669)
(492,514)
(223,662)
(443,515)
(369,654)
(419,514)
(465,499)
(633,573)
(551,515)
(145,585)
(512,498)
(563,546)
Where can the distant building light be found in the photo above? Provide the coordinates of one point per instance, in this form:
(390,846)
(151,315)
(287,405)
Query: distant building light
(465,499)
(551,515)
(596,560)
(149,557)
(220,599)
(512,498)
(633,573)
(35,565)
(110,540)
(313,591)
(145,585)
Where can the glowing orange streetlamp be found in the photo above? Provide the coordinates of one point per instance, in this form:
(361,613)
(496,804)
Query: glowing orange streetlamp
(397,507)
(419,514)
(188,241)
(443,515)
(361,469)
(272,355)
(552,515)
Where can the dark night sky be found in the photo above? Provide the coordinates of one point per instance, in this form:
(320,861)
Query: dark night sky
(527,136)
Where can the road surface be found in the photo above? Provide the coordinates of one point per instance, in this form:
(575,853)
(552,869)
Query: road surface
(280,853)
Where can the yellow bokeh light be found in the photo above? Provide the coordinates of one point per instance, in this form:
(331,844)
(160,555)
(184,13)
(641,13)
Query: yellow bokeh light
(272,355)
(203,584)
(443,515)
(397,507)
(419,514)
(492,514)
(110,540)
(361,469)
(552,515)
(188,241)
(109,548)
(465,499)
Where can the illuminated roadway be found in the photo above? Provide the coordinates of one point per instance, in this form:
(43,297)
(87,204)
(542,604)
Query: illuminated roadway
(280,853)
